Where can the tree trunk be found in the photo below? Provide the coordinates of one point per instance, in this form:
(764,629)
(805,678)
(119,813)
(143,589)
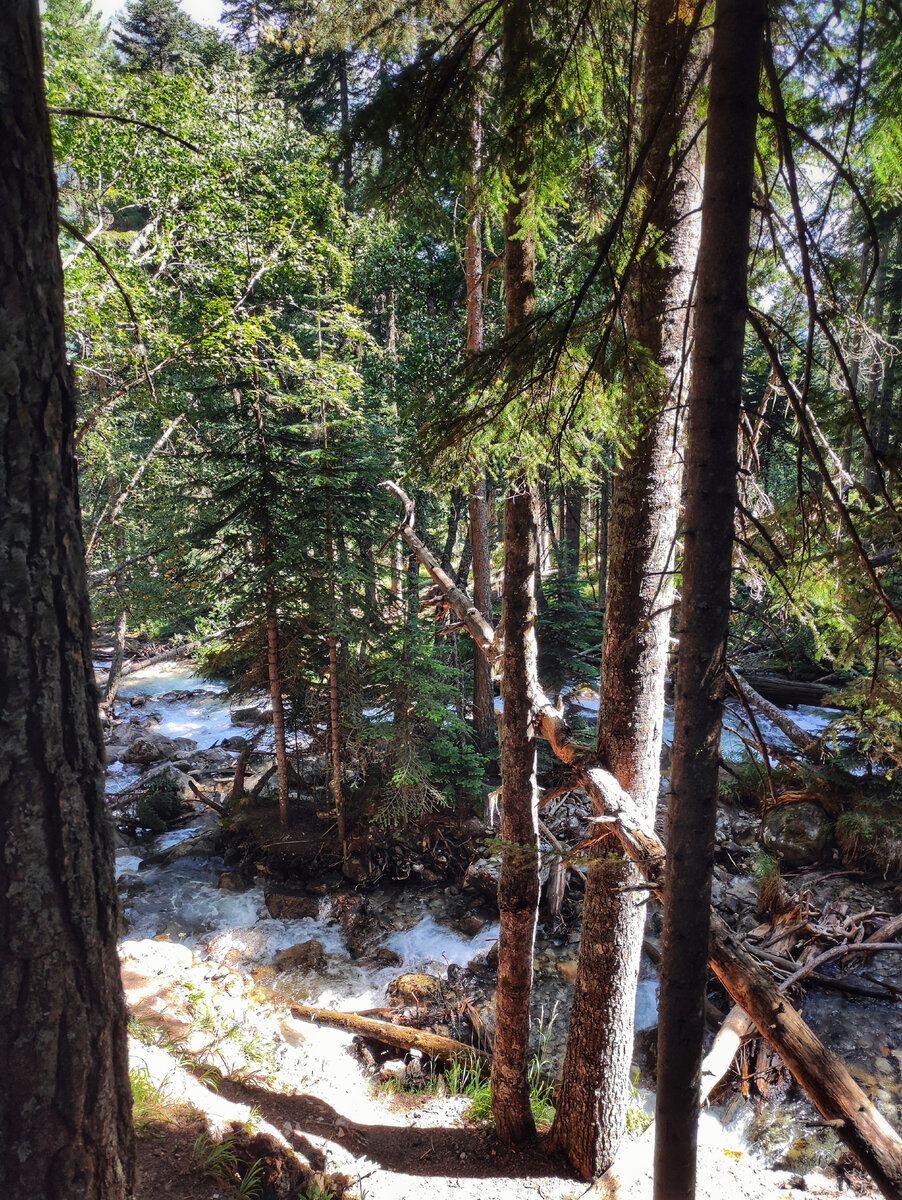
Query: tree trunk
(820,1072)
(114,676)
(278,711)
(65,1101)
(518,889)
(483,692)
(714,410)
(591,1113)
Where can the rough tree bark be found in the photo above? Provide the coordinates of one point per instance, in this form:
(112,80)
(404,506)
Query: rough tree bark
(592,1106)
(518,887)
(65,1102)
(714,411)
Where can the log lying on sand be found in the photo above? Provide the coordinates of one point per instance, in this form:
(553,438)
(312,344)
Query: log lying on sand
(401,1037)
(822,1074)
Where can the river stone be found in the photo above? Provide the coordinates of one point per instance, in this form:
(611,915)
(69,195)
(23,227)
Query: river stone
(470,924)
(185,743)
(150,748)
(415,988)
(482,875)
(231,881)
(250,715)
(174,780)
(309,954)
(205,762)
(796,833)
(291,906)
(200,845)
(235,743)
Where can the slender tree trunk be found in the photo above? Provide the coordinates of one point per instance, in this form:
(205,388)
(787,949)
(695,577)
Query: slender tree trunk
(454,508)
(714,410)
(483,693)
(114,676)
(65,1101)
(877,365)
(591,1113)
(518,890)
(275,692)
(344,103)
(601,542)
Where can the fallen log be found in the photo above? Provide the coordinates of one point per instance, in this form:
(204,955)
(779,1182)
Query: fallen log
(811,747)
(401,1037)
(173,652)
(787,691)
(636,1157)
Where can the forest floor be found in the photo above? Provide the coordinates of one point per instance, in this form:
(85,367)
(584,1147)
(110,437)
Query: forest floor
(298,1088)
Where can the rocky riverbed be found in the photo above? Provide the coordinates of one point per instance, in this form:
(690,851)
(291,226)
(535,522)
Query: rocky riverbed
(253,928)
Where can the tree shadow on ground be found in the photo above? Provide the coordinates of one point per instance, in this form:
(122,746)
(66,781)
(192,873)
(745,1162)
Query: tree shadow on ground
(427,1150)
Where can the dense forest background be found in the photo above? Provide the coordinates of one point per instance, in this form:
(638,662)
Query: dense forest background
(315,250)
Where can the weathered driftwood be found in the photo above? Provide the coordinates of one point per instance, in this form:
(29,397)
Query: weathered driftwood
(401,1037)
(851,984)
(634,1160)
(820,1072)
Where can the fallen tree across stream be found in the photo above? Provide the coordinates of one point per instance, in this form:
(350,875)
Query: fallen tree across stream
(822,1074)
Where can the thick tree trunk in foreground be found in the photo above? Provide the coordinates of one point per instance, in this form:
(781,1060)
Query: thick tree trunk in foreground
(714,409)
(594,1097)
(518,888)
(65,1102)
(821,1073)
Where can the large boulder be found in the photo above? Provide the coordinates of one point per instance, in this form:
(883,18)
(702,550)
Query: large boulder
(167,777)
(205,762)
(150,748)
(797,833)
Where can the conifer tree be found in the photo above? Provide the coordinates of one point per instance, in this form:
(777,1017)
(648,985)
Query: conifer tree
(153,35)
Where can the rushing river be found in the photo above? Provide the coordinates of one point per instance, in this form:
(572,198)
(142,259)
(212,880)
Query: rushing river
(185,902)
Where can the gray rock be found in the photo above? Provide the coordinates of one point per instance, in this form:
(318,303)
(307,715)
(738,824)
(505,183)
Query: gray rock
(200,846)
(150,748)
(251,715)
(169,774)
(204,762)
(796,833)
(482,875)
(235,743)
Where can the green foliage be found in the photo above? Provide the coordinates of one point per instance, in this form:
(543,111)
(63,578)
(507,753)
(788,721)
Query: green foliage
(152,1102)
(219,1160)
